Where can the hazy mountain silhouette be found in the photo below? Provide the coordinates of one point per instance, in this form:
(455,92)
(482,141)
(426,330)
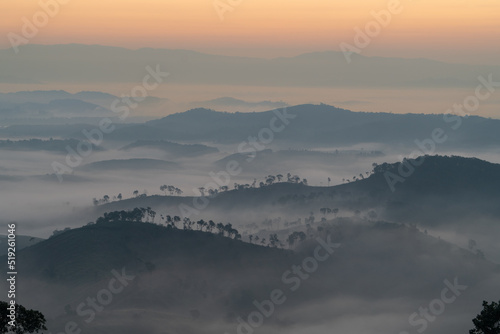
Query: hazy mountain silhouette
(441,191)
(173,149)
(130,164)
(320,125)
(52,145)
(22,241)
(233,104)
(309,126)
(92,63)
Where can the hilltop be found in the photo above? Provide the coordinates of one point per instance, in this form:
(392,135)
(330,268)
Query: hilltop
(197,279)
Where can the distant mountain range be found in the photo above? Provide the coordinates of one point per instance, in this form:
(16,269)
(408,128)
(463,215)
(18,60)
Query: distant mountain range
(44,97)
(92,63)
(307,126)
(130,164)
(232,104)
(52,145)
(318,125)
(20,107)
(172,149)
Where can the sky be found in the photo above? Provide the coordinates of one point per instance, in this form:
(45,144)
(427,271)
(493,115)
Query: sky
(464,31)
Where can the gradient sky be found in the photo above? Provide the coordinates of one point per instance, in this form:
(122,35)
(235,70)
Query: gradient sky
(453,30)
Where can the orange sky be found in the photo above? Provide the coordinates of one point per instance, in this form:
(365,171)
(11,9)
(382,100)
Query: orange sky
(454,30)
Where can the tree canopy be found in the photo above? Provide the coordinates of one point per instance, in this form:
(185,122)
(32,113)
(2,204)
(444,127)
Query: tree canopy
(488,321)
(27,321)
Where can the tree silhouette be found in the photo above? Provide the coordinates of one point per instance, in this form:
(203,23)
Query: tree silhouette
(212,192)
(211,225)
(27,321)
(201,223)
(220,228)
(325,211)
(228,228)
(292,238)
(273,240)
(270,179)
(176,219)
(488,321)
(186,223)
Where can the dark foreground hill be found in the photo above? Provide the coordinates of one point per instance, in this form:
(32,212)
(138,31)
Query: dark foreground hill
(142,277)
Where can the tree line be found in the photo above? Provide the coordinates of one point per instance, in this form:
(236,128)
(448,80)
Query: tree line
(148,215)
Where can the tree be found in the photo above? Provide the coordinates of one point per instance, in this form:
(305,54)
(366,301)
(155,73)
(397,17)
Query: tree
(270,179)
(176,219)
(211,225)
(488,321)
(325,211)
(27,321)
(294,237)
(201,224)
(186,223)
(228,228)
(273,239)
(172,189)
(220,228)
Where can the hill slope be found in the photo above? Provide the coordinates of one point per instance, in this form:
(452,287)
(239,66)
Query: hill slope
(196,282)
